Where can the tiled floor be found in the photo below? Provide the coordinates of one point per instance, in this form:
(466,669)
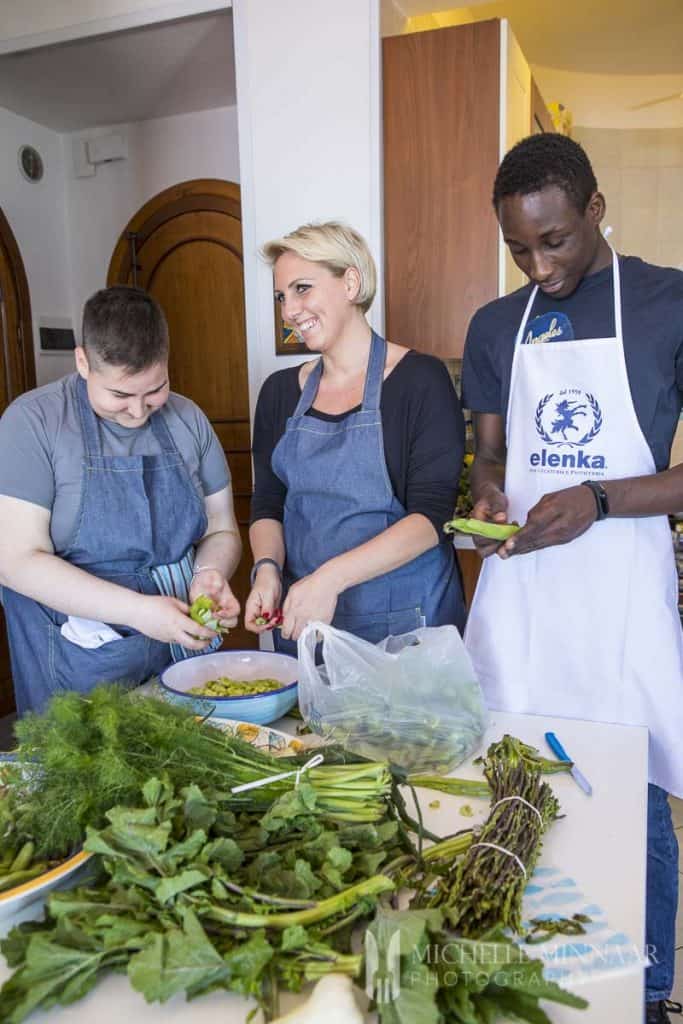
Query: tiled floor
(677,812)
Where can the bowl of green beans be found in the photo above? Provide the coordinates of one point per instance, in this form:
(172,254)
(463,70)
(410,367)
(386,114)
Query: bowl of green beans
(24,875)
(250,686)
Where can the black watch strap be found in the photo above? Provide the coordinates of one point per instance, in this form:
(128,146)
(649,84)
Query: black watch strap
(257,566)
(600,495)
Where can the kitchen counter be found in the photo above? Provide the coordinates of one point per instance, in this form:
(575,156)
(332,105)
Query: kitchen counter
(596,851)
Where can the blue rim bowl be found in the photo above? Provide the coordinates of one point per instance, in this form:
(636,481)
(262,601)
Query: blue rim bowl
(260,709)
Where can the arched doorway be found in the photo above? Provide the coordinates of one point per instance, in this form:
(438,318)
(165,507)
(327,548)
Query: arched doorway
(17,361)
(17,374)
(184,246)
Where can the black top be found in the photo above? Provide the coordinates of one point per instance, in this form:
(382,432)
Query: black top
(652,314)
(424,437)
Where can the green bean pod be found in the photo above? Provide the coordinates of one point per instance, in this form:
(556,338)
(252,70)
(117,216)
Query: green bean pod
(24,857)
(16,878)
(478,527)
(6,860)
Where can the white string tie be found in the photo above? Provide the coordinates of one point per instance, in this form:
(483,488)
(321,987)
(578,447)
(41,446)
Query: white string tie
(501,849)
(298,772)
(521,799)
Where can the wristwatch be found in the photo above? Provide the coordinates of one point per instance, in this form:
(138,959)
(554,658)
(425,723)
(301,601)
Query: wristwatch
(257,566)
(600,495)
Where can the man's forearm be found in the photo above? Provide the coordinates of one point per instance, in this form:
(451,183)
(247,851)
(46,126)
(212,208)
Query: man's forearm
(485,473)
(58,584)
(656,494)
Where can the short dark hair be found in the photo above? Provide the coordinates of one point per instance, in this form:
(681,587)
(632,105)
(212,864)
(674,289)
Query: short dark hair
(125,326)
(542,160)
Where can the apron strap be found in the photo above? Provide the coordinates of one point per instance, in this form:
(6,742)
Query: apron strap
(525,318)
(616,279)
(374,377)
(89,427)
(163,435)
(310,391)
(90,430)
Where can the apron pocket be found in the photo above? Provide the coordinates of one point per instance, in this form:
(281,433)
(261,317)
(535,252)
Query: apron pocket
(376,627)
(76,668)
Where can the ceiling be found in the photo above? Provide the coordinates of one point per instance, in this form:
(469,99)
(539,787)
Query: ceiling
(609,36)
(155,71)
(600,58)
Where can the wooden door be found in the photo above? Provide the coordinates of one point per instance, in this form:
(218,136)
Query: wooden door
(185,247)
(441,139)
(17,374)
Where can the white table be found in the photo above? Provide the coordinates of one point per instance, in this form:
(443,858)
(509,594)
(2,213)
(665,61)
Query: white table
(600,843)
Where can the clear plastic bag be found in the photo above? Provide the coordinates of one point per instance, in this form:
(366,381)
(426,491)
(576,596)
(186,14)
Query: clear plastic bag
(413,700)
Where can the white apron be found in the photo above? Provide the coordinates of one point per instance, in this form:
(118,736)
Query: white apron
(588,629)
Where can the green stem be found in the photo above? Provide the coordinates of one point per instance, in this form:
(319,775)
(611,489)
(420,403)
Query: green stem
(336,904)
(449,848)
(454,787)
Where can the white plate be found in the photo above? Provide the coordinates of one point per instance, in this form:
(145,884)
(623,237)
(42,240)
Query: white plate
(271,741)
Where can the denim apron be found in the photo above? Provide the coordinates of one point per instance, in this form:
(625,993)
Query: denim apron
(137,512)
(339,496)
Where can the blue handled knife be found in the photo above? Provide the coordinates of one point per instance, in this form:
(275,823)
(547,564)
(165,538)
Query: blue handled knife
(559,751)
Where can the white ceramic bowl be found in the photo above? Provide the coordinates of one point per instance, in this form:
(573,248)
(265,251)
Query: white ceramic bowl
(22,895)
(260,709)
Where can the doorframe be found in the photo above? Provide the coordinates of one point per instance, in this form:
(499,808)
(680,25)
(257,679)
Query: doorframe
(188,196)
(26,347)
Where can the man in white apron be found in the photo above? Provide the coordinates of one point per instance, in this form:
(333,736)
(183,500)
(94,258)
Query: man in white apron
(576,383)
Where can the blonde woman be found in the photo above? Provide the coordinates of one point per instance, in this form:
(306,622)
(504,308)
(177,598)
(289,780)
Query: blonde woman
(357,456)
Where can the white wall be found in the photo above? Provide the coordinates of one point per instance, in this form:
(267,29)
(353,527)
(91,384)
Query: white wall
(308,99)
(610,101)
(641,174)
(36,214)
(161,153)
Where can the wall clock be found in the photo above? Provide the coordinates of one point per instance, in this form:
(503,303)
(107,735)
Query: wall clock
(30,163)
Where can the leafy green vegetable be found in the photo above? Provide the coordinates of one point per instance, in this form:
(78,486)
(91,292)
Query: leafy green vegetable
(201,889)
(203,610)
(442,977)
(174,908)
(86,754)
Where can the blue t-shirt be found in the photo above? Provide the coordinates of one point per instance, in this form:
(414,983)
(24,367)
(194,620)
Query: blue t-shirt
(652,313)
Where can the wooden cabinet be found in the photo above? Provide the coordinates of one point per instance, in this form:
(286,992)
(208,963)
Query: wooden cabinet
(455,100)
(470,567)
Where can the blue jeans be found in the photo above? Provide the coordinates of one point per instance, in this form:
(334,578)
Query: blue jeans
(662,896)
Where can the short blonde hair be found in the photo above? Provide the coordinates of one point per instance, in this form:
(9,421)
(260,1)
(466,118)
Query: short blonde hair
(337,247)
